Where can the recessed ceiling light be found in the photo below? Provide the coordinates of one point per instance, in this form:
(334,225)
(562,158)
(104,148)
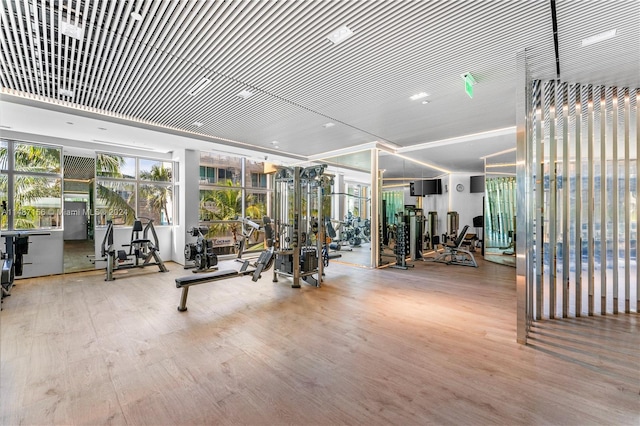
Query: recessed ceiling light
(245,94)
(327,125)
(102,128)
(65,92)
(198,123)
(340,35)
(199,86)
(425,102)
(599,37)
(70,123)
(419,96)
(136,16)
(71,30)
(274,142)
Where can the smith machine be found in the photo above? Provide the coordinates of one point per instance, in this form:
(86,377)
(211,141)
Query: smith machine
(299,223)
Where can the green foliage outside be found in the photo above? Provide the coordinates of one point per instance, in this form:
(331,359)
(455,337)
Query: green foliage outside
(226,204)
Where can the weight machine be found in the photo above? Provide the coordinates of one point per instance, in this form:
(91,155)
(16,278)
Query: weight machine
(16,245)
(201,252)
(300,246)
(141,250)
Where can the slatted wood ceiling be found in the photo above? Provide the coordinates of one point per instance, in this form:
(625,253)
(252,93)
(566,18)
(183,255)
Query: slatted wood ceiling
(142,70)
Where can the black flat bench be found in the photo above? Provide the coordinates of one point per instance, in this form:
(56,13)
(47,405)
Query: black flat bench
(190,280)
(185,282)
(264,262)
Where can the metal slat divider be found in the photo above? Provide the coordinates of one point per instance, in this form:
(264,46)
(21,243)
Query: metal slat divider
(539,205)
(627,200)
(578,200)
(528,187)
(603,200)
(614,194)
(566,192)
(590,202)
(637,209)
(553,200)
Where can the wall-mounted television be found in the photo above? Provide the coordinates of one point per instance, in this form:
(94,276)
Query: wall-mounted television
(432,186)
(421,188)
(476,184)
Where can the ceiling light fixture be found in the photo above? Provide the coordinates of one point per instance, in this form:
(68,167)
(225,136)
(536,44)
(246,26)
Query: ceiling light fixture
(245,94)
(198,123)
(274,142)
(66,92)
(136,16)
(199,86)
(599,37)
(340,35)
(425,102)
(327,125)
(419,96)
(71,30)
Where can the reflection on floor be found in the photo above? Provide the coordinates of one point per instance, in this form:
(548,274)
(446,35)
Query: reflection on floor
(500,257)
(360,255)
(75,255)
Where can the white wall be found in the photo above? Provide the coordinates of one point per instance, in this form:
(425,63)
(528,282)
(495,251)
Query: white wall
(188,200)
(467,205)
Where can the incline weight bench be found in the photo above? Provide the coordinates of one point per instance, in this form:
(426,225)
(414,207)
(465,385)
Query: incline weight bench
(455,254)
(264,262)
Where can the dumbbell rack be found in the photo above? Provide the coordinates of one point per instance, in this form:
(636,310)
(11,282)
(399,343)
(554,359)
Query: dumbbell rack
(402,248)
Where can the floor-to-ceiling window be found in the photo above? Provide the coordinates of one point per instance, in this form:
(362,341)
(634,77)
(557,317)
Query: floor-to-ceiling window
(30,185)
(235,193)
(130,187)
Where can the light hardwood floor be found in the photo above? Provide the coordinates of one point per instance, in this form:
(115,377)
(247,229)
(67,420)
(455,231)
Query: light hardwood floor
(431,345)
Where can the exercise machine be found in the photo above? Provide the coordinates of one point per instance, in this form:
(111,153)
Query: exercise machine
(454,252)
(142,249)
(432,238)
(16,245)
(264,263)
(201,252)
(299,227)
(402,248)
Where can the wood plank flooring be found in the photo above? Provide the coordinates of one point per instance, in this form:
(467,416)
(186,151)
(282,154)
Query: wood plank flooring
(431,345)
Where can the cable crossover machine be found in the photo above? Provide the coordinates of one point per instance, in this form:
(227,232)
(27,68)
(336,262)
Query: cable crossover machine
(299,223)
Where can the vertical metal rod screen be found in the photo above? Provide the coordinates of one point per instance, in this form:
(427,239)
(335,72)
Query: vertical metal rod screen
(583,142)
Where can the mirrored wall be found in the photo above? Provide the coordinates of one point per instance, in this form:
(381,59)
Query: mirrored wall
(500,208)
